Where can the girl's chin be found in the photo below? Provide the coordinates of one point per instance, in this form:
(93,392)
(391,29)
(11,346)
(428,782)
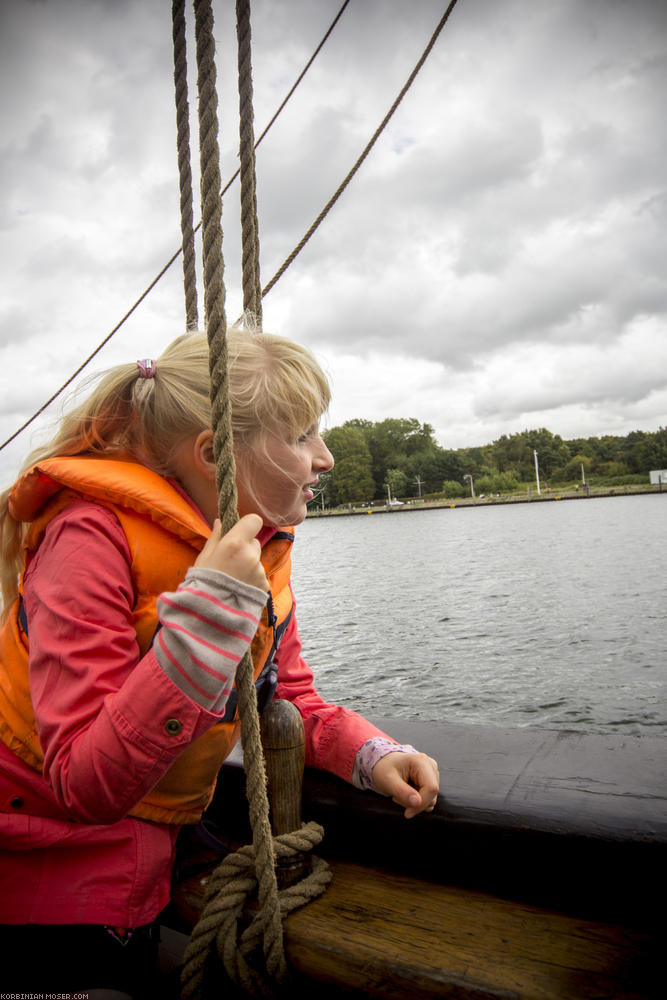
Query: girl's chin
(296,516)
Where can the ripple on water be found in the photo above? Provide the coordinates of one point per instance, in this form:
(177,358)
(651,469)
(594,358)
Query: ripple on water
(552,614)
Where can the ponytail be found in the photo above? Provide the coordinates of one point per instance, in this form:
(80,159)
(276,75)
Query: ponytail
(129,412)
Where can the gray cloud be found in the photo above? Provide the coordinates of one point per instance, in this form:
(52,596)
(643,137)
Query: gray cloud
(505,235)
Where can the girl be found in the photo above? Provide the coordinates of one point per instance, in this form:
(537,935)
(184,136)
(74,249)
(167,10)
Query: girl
(120,644)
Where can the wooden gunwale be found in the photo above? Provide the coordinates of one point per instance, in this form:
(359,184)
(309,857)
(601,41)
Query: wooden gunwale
(536,876)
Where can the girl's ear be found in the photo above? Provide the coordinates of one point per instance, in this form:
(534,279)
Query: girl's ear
(204,456)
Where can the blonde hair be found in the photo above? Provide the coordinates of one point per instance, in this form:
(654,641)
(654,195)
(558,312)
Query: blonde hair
(275,387)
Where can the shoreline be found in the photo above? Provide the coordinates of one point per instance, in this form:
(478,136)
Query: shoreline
(496,501)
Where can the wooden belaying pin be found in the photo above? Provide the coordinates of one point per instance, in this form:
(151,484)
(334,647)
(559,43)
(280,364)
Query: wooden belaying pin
(283,742)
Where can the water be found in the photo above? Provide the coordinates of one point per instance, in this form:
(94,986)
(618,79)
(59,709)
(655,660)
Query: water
(542,614)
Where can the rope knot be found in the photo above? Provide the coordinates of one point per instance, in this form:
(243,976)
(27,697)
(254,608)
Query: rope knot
(231,927)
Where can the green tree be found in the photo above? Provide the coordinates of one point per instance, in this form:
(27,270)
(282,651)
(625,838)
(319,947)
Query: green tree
(634,448)
(397,481)
(419,438)
(476,461)
(351,478)
(432,467)
(582,446)
(394,444)
(498,482)
(611,470)
(651,453)
(572,470)
(512,454)
(551,450)
(608,448)
(408,447)
(453,489)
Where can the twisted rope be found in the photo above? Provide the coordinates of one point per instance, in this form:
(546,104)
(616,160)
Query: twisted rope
(214,288)
(184,170)
(252,287)
(216,327)
(229,888)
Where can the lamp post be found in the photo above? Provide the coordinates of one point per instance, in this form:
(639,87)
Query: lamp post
(472,488)
(537,472)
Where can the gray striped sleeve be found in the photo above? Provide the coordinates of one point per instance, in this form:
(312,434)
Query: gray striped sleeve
(207,625)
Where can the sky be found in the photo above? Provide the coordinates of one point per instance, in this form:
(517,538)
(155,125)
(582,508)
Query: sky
(497,264)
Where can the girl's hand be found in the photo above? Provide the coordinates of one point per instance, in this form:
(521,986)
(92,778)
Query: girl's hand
(237,553)
(412,780)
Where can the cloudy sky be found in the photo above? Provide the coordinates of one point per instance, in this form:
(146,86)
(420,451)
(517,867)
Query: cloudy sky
(497,264)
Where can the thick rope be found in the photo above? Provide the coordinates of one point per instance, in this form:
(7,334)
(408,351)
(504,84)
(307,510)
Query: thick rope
(214,288)
(252,286)
(214,295)
(184,170)
(218,931)
(376,135)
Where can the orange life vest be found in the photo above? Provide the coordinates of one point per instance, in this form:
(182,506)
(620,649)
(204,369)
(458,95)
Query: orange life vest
(164,535)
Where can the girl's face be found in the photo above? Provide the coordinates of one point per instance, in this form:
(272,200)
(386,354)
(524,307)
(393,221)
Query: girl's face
(280,483)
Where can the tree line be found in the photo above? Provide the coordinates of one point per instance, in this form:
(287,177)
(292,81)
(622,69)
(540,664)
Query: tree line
(402,457)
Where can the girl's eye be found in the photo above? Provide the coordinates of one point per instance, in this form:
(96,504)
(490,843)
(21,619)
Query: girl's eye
(307,434)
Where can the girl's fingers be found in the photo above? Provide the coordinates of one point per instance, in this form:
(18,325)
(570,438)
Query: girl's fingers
(412,781)
(236,553)
(246,528)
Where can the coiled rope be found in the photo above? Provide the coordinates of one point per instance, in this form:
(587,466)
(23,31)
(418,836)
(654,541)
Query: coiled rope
(253,868)
(227,892)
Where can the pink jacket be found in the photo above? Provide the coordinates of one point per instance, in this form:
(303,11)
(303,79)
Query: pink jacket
(69,853)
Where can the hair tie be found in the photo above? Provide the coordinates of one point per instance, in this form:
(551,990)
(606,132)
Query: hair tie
(146,368)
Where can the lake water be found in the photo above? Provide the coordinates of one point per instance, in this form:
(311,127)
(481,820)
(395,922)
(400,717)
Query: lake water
(541,614)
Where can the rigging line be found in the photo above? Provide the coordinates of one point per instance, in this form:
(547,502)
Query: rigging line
(252,286)
(334,198)
(93,353)
(178,252)
(184,163)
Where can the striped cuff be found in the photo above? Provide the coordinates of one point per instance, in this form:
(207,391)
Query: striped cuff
(207,626)
(369,754)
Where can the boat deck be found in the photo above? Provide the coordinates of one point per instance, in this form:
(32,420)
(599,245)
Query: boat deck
(538,876)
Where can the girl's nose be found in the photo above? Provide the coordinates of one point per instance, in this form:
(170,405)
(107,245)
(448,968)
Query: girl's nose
(323,460)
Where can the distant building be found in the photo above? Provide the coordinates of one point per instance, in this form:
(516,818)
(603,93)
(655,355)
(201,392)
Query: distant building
(658,477)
